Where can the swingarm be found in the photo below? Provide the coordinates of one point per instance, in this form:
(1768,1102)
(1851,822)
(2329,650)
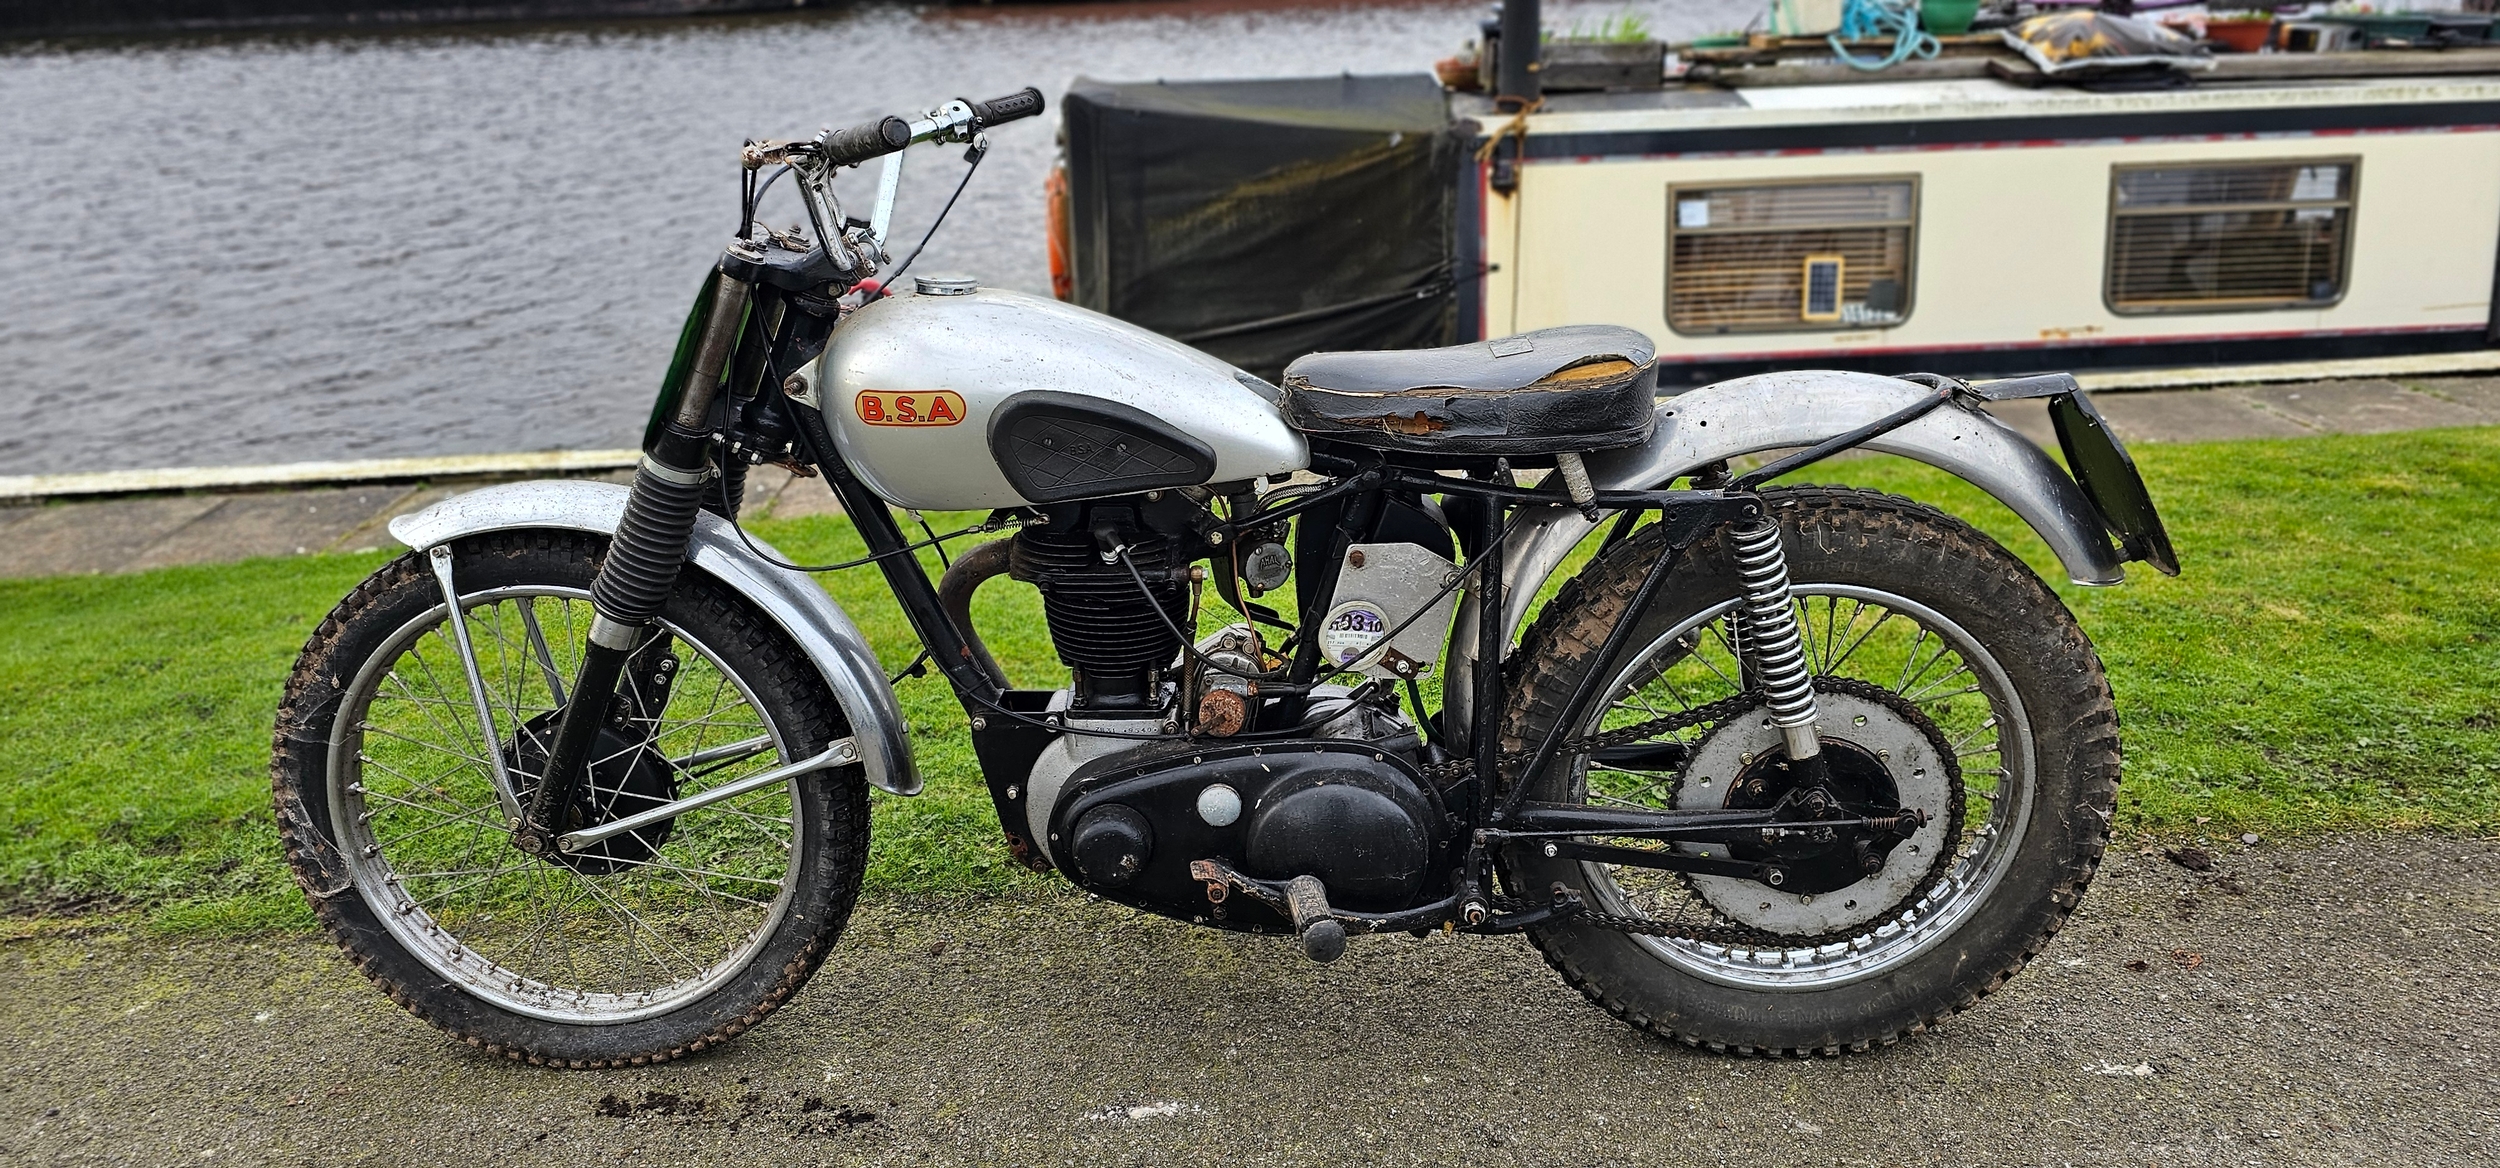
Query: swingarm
(1774,835)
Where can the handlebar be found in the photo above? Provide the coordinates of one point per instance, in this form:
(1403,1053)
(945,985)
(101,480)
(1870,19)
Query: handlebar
(869,140)
(815,160)
(956,121)
(1023,103)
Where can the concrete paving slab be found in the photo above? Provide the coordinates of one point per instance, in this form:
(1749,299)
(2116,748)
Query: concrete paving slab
(373,533)
(132,532)
(2361,407)
(2325,1003)
(2475,393)
(2169,415)
(68,539)
(764,484)
(2194,415)
(274,524)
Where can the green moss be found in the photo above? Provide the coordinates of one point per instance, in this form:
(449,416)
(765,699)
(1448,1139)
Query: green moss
(2326,663)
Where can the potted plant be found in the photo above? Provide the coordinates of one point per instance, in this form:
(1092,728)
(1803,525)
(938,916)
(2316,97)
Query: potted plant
(1947,17)
(2239,32)
(1617,54)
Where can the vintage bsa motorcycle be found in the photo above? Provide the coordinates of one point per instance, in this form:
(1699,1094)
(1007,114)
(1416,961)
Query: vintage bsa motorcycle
(583,777)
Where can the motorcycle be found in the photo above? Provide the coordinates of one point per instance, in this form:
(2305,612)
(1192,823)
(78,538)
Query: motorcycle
(583,777)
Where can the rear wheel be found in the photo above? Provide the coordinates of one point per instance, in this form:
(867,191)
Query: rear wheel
(1949,678)
(653,944)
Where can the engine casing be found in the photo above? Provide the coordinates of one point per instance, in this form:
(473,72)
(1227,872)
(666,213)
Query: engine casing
(994,399)
(1354,815)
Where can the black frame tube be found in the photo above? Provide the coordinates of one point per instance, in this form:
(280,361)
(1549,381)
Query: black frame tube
(1484,732)
(948,647)
(1592,682)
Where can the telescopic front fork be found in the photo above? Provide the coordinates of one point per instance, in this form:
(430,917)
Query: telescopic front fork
(641,567)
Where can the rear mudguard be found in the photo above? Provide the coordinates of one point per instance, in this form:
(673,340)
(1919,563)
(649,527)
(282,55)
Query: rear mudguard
(822,630)
(1779,410)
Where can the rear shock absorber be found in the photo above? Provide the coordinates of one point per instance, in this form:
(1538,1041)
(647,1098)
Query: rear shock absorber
(641,567)
(1770,636)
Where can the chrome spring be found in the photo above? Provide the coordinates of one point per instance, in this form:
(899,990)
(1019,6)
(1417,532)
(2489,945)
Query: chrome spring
(1770,638)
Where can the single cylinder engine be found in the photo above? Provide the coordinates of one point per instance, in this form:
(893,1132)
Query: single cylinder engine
(1105,627)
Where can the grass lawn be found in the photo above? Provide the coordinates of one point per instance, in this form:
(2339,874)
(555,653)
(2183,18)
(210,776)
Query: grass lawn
(2330,661)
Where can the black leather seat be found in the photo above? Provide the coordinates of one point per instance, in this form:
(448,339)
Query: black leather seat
(1580,387)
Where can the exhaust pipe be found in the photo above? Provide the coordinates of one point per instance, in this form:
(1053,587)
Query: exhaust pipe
(955,589)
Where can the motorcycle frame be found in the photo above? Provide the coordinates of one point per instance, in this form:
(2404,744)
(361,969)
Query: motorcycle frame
(1519,537)
(1010,727)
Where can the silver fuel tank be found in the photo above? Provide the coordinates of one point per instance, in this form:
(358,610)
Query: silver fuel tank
(987,398)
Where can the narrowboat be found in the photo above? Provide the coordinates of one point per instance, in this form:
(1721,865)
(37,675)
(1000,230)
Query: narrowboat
(1770,208)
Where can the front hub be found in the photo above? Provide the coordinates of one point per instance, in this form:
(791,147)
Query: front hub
(626,777)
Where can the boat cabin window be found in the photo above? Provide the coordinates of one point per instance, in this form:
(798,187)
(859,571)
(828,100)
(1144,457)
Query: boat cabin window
(2229,238)
(1790,256)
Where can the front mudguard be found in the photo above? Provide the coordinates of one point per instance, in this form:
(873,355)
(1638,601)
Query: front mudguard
(819,626)
(1773,411)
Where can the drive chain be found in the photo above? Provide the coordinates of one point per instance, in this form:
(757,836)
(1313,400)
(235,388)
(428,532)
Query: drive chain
(1704,714)
(1708,713)
(1719,931)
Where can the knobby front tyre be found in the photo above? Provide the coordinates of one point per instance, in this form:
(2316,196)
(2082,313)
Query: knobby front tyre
(656,944)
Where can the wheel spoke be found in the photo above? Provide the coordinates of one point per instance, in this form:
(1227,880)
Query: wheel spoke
(538,649)
(733,752)
(435,898)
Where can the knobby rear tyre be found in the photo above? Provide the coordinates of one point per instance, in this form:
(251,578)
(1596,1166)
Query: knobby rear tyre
(1840,541)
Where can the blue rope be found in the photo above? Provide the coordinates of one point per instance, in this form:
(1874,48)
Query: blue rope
(1871,19)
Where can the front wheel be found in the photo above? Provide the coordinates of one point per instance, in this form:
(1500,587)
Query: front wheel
(653,944)
(1949,678)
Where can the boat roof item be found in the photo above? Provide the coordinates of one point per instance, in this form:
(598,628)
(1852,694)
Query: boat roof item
(1261,220)
(2062,42)
(1573,388)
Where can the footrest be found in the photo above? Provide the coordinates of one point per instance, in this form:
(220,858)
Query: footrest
(1323,938)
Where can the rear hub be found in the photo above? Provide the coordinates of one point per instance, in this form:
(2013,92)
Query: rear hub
(1885,756)
(1861,787)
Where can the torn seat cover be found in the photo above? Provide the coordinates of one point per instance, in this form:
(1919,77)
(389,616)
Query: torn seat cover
(1577,388)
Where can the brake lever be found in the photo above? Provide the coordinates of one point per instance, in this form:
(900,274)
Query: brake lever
(758,155)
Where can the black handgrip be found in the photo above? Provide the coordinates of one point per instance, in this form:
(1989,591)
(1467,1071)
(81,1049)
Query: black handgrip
(873,140)
(1022,104)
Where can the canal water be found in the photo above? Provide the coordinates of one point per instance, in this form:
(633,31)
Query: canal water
(276,249)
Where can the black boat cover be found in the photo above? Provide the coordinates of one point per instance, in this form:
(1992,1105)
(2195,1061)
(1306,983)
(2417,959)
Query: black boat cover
(1261,220)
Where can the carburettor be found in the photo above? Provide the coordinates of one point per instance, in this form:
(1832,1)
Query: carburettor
(1226,687)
